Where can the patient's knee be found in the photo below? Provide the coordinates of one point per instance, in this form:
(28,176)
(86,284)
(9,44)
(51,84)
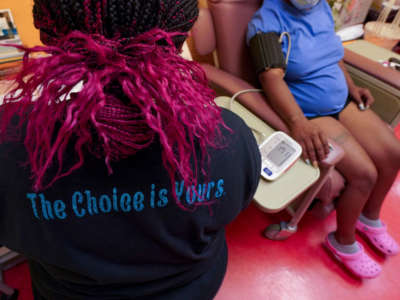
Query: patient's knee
(364,180)
(390,161)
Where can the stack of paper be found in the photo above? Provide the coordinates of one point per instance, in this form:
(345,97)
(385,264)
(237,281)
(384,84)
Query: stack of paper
(8,35)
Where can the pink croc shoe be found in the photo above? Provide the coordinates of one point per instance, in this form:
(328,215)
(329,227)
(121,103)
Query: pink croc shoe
(379,237)
(359,263)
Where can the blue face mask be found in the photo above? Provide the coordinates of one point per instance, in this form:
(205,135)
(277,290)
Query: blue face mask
(304,4)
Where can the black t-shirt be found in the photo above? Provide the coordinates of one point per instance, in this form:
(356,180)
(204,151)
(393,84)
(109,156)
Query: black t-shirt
(122,236)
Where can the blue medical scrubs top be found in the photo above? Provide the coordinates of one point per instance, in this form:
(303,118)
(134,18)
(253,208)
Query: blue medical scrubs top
(313,74)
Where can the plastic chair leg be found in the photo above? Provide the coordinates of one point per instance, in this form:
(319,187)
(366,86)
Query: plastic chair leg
(284,230)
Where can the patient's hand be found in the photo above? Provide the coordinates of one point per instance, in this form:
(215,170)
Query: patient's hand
(312,140)
(361,96)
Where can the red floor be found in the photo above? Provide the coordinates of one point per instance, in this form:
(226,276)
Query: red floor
(298,268)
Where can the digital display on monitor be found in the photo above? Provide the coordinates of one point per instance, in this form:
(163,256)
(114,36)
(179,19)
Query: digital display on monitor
(281,153)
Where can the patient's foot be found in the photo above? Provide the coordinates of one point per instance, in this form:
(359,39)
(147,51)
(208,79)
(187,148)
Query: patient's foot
(348,248)
(377,234)
(353,258)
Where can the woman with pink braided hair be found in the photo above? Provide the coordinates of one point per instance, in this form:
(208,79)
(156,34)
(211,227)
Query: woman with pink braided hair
(118,171)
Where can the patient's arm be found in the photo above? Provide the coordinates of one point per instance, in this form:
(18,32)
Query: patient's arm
(308,135)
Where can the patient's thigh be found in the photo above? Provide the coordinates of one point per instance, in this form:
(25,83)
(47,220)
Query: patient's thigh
(356,162)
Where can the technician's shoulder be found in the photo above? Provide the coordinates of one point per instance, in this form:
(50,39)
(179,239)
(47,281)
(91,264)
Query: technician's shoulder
(239,138)
(232,119)
(236,124)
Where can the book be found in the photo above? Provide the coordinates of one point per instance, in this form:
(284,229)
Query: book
(8,35)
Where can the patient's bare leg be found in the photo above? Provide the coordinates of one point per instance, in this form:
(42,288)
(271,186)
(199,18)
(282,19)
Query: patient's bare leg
(382,147)
(360,174)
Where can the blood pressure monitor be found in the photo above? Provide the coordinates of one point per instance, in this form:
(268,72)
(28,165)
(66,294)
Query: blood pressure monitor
(278,153)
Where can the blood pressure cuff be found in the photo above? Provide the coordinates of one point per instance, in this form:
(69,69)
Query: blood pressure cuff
(266,52)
